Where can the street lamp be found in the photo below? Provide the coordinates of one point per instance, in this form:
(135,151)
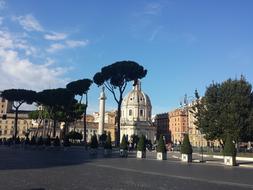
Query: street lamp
(185,105)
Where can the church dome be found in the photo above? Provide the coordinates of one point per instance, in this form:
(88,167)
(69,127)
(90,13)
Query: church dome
(136,105)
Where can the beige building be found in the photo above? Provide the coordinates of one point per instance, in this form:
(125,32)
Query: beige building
(45,127)
(178,125)
(5,106)
(92,125)
(136,111)
(196,138)
(7,119)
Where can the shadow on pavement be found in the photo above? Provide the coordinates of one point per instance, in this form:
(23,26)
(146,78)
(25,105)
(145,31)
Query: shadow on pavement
(15,159)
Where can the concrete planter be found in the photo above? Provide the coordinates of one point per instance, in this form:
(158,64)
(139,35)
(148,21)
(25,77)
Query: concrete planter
(230,160)
(141,154)
(186,158)
(161,156)
(107,152)
(123,153)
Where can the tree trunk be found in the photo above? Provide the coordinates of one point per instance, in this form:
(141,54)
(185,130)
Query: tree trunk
(65,130)
(37,130)
(54,128)
(118,122)
(43,128)
(84,120)
(222,144)
(16,124)
(84,126)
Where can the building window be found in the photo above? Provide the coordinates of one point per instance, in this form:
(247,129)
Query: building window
(130,112)
(141,113)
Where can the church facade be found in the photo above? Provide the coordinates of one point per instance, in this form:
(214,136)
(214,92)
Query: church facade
(136,113)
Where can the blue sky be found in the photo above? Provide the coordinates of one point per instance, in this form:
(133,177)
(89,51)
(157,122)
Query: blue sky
(184,44)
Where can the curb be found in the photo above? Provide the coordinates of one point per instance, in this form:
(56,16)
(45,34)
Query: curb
(245,166)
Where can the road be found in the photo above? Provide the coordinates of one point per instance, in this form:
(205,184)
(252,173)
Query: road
(76,169)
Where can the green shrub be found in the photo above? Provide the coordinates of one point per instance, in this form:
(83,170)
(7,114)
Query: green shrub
(186,147)
(229,147)
(135,139)
(66,141)
(123,144)
(40,141)
(108,143)
(33,140)
(73,135)
(17,140)
(48,141)
(141,146)
(161,145)
(27,140)
(94,141)
(102,138)
(57,141)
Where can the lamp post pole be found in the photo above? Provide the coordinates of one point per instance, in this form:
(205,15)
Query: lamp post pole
(186,107)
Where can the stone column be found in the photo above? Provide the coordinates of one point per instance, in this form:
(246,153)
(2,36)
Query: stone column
(102,99)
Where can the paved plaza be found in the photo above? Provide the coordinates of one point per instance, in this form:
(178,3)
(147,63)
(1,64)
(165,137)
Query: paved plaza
(74,168)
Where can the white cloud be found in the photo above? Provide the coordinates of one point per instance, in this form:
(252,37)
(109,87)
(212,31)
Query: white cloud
(55,47)
(55,36)
(5,40)
(18,71)
(29,23)
(155,33)
(49,62)
(68,44)
(76,43)
(10,41)
(2,4)
(153,8)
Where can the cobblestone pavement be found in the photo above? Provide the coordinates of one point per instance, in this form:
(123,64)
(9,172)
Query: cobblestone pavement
(74,168)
